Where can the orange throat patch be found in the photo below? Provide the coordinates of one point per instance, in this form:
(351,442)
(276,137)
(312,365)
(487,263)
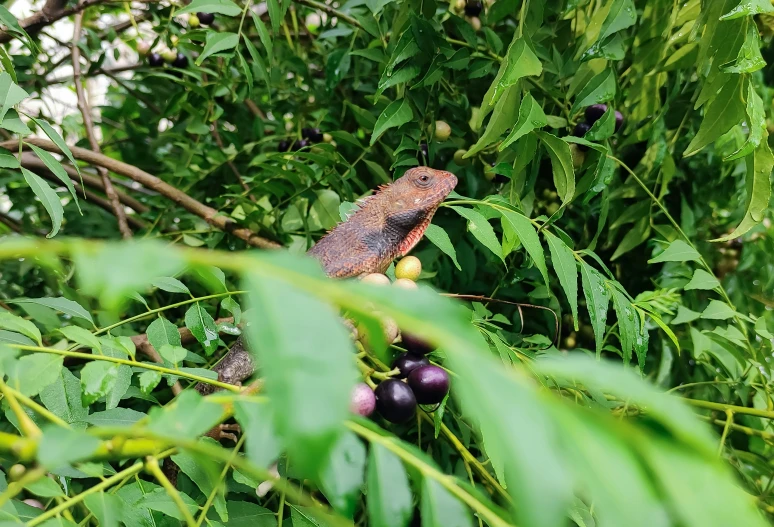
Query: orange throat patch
(413,237)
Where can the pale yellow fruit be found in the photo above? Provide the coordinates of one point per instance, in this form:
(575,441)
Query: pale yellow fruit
(193,21)
(169,55)
(442,131)
(143,48)
(409,267)
(391,330)
(375,279)
(405,283)
(475,23)
(578,156)
(327,138)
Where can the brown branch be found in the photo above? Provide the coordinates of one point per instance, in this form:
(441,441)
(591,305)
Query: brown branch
(51,11)
(208,214)
(11,223)
(31,162)
(134,93)
(254,109)
(88,124)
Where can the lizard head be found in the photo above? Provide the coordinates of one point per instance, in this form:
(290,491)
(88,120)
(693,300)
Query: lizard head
(413,199)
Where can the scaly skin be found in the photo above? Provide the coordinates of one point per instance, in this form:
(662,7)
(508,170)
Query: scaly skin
(387,224)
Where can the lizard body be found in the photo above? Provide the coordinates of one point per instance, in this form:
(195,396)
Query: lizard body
(386,225)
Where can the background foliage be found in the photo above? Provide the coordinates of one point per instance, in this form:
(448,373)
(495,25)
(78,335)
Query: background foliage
(652,244)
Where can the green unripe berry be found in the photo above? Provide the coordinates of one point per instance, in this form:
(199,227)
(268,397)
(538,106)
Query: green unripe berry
(193,21)
(461,161)
(442,131)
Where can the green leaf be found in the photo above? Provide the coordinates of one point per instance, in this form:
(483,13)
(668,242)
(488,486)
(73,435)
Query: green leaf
(389,496)
(7,159)
(726,110)
(601,88)
(217,42)
(223,7)
(205,473)
(627,323)
(106,508)
(62,446)
(502,118)
(115,417)
(191,416)
(685,315)
(262,445)
(246,514)
(159,500)
(10,94)
(636,236)
(149,380)
(441,509)
(203,327)
(528,237)
(480,228)
(756,121)
(749,58)
(561,164)
(275,14)
(56,168)
(677,251)
(717,310)
(440,239)
(702,280)
(519,62)
(45,488)
(531,117)
(170,285)
(597,300)
(396,114)
(63,397)
(34,372)
(233,307)
(48,197)
(263,33)
(97,379)
(11,322)
(749,7)
(81,336)
(341,477)
(622,14)
(61,304)
(58,141)
(174,354)
(163,332)
(305,355)
(565,268)
(758,183)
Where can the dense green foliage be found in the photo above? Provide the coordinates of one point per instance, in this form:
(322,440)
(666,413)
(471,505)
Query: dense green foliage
(592,274)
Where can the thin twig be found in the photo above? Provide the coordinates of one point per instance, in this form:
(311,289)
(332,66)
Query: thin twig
(88,124)
(192,205)
(231,165)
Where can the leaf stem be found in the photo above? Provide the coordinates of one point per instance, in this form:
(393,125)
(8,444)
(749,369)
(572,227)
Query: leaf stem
(145,365)
(446,481)
(721,407)
(152,466)
(134,469)
(27,425)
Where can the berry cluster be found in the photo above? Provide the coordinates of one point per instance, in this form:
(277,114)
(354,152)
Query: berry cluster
(308,136)
(593,114)
(412,380)
(157,59)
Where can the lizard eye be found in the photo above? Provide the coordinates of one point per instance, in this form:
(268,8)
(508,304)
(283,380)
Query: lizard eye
(423,181)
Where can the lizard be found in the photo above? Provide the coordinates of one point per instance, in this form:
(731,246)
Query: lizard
(385,225)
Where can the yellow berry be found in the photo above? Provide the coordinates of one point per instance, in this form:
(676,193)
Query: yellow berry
(193,20)
(442,131)
(405,283)
(375,279)
(410,267)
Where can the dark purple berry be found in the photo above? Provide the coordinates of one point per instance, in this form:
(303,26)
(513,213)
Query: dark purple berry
(473,8)
(313,134)
(395,401)
(181,61)
(415,345)
(363,400)
(283,146)
(619,120)
(301,143)
(430,384)
(206,18)
(594,112)
(155,60)
(581,129)
(408,362)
